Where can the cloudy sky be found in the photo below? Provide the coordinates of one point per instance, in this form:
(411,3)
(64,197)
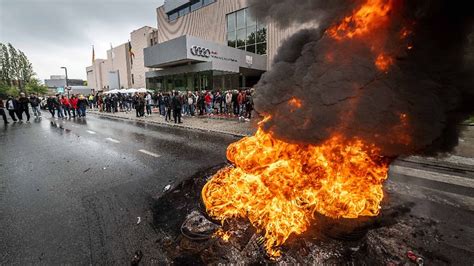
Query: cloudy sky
(55,33)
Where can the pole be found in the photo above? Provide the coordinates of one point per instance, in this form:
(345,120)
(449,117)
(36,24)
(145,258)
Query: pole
(67,82)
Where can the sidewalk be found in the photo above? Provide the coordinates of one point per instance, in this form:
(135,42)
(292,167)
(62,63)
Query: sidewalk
(229,126)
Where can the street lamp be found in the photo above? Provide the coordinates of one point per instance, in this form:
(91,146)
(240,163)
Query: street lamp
(67,83)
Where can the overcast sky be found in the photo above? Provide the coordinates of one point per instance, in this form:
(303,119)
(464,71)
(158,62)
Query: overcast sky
(55,33)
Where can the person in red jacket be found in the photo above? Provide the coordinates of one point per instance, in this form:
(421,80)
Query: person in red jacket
(73,102)
(66,106)
(208,100)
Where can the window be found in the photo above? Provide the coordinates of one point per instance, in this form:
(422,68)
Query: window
(246,33)
(188,8)
(208,2)
(240,19)
(196,6)
(231,22)
(231,39)
(241,36)
(173,16)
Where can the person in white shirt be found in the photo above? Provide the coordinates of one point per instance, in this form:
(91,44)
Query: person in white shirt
(149,102)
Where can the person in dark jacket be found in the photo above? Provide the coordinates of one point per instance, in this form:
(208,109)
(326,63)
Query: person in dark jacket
(177,106)
(50,104)
(82,104)
(35,105)
(2,112)
(167,104)
(23,107)
(249,105)
(12,106)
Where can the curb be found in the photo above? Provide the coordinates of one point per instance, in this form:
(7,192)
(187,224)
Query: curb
(172,125)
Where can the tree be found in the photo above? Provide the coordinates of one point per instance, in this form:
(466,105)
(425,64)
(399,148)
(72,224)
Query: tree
(5,65)
(35,86)
(15,68)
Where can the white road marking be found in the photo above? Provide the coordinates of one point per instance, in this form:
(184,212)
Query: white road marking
(91,132)
(150,153)
(439,177)
(112,140)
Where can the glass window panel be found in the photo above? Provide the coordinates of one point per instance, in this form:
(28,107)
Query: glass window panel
(173,16)
(231,39)
(207,2)
(241,36)
(251,35)
(251,48)
(241,19)
(250,20)
(262,48)
(262,35)
(184,11)
(231,22)
(196,5)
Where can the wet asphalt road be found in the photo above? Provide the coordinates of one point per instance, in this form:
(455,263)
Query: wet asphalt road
(71,190)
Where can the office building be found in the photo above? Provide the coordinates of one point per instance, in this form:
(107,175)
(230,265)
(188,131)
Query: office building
(210,44)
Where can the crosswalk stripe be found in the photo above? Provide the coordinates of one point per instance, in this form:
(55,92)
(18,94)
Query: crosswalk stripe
(112,140)
(91,132)
(433,176)
(149,153)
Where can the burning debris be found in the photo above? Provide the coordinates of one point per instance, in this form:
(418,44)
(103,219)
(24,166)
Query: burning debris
(377,79)
(188,236)
(280,186)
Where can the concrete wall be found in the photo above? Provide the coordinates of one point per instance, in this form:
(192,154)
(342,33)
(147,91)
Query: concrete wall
(140,39)
(120,62)
(96,74)
(209,23)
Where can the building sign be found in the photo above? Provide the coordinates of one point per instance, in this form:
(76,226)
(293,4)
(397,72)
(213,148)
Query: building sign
(249,60)
(207,53)
(200,51)
(60,90)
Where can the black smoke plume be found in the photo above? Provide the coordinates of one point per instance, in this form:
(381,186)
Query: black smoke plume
(414,107)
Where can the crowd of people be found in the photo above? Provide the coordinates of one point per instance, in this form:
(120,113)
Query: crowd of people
(59,105)
(232,103)
(238,103)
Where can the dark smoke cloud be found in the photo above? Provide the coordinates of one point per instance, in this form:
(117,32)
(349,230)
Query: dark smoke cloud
(415,107)
(287,12)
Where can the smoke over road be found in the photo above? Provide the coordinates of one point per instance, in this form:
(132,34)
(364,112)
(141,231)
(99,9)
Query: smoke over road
(401,80)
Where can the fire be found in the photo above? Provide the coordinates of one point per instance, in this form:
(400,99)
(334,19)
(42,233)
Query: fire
(295,102)
(372,15)
(368,17)
(279,186)
(224,235)
(383,62)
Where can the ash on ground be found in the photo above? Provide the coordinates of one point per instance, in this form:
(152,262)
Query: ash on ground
(189,236)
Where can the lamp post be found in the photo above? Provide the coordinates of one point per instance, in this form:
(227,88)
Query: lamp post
(67,83)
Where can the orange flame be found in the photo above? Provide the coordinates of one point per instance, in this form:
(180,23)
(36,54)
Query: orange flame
(368,17)
(383,62)
(279,186)
(295,102)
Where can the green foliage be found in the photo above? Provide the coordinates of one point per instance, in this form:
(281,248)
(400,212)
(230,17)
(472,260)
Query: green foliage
(34,86)
(15,68)
(6,90)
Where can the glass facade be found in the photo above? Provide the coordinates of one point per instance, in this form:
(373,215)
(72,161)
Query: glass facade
(187,8)
(246,33)
(207,80)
